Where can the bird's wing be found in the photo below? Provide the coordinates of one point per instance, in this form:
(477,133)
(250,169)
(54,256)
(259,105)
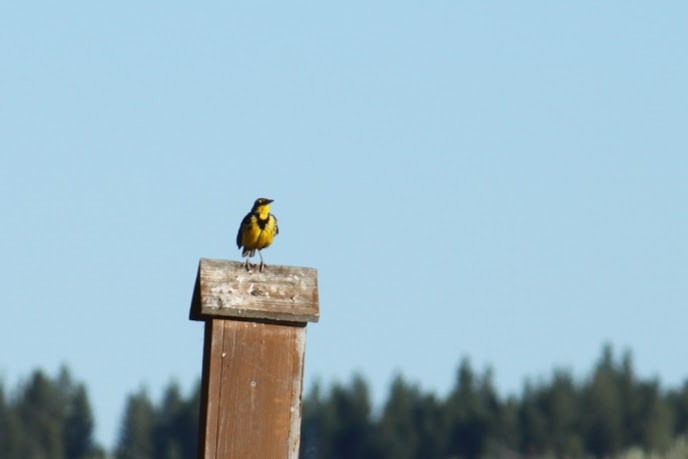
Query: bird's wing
(244,223)
(276,227)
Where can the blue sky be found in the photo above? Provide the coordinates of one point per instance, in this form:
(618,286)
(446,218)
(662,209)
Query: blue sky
(504,181)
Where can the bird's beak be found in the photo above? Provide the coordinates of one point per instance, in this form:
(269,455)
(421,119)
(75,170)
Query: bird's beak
(268,201)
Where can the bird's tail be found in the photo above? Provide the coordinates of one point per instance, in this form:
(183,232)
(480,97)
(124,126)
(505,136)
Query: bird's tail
(248,253)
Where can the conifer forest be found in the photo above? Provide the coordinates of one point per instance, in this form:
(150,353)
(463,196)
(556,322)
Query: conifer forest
(609,413)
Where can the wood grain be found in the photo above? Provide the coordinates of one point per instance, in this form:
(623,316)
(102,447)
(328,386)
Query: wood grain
(254,384)
(225,288)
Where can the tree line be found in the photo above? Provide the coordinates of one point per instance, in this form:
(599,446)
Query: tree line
(602,415)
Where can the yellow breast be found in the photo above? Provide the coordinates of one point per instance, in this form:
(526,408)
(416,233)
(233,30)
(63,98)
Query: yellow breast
(255,237)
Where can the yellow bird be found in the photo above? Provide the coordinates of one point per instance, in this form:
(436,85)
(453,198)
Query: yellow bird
(257,231)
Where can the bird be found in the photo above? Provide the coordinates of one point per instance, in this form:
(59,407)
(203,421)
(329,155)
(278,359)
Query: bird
(257,231)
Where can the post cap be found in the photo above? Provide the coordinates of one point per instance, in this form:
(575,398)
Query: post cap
(224,288)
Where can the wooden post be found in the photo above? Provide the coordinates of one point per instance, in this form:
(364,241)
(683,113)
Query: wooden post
(255,333)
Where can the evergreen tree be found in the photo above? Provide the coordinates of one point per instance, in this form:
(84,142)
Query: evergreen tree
(507,428)
(167,424)
(10,432)
(410,425)
(166,431)
(429,417)
(603,408)
(48,418)
(313,425)
(42,411)
(658,431)
(349,409)
(136,439)
(78,428)
(187,423)
(472,411)
(338,426)
(4,424)
(532,422)
(397,435)
(560,405)
(678,399)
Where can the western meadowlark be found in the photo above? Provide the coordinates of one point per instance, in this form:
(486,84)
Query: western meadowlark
(257,231)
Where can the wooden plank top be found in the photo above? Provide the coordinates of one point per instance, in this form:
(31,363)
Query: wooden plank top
(225,288)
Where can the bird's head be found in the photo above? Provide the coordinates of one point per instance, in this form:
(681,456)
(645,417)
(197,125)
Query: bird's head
(262,206)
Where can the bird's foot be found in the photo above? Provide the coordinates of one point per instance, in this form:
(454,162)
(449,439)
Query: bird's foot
(261,266)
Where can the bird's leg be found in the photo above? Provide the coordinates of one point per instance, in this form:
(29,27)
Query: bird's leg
(247,265)
(262,265)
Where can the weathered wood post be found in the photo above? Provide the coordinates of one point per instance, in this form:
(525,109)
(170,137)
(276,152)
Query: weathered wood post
(255,332)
